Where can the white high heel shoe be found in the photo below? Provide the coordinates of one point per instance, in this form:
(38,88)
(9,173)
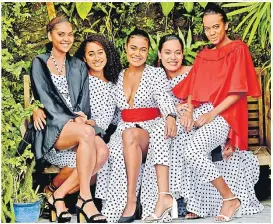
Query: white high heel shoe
(236,214)
(171,210)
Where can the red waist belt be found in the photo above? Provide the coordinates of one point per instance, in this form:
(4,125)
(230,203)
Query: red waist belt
(139,114)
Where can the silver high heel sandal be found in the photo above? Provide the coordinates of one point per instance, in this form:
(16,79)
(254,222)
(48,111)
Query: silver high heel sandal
(236,214)
(171,210)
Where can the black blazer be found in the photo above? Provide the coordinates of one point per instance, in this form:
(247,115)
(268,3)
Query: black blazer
(56,109)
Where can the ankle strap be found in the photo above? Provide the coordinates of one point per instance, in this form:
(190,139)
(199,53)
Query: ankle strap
(52,186)
(229,199)
(84,202)
(165,193)
(56,199)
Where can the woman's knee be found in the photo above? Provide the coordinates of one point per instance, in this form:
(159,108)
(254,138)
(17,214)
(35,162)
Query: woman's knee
(130,136)
(86,133)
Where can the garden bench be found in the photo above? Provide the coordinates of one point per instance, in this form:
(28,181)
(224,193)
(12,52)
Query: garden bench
(256,124)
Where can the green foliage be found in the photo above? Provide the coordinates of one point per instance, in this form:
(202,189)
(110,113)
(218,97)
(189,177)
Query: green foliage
(83,8)
(190,50)
(257,20)
(167,7)
(16,176)
(189,6)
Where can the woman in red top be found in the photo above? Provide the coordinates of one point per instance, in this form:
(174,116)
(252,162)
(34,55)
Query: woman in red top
(218,85)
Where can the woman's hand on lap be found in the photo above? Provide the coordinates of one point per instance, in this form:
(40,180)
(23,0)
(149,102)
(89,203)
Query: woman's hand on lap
(170,127)
(205,119)
(39,119)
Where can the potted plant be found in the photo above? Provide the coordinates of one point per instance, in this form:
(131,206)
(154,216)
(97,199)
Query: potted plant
(16,171)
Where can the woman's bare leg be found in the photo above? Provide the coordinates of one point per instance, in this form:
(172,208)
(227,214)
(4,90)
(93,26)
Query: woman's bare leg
(62,176)
(228,207)
(102,154)
(82,135)
(135,147)
(164,200)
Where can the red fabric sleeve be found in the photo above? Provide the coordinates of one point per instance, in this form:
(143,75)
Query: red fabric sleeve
(243,77)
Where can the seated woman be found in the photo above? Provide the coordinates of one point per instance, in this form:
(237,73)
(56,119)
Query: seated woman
(170,57)
(240,169)
(218,85)
(60,83)
(140,92)
(103,70)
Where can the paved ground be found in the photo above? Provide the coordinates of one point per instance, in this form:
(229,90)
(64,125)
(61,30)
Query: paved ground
(263,217)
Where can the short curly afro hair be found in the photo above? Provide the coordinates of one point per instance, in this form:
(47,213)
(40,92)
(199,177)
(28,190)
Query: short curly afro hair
(113,65)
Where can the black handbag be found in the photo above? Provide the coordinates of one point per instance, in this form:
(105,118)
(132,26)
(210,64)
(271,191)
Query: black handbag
(28,138)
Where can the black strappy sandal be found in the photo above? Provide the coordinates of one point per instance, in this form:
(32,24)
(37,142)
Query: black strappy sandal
(53,212)
(81,214)
(50,189)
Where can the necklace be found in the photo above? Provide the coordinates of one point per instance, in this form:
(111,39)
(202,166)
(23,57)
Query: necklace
(56,65)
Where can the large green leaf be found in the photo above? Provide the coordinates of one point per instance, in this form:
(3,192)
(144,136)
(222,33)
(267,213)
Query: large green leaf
(83,8)
(240,11)
(239,4)
(180,34)
(188,6)
(256,20)
(189,38)
(203,4)
(167,7)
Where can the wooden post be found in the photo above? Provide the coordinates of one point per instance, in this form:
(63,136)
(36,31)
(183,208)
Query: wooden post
(260,108)
(267,107)
(26,90)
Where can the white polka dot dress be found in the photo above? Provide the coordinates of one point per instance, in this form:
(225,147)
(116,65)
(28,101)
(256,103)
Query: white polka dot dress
(177,173)
(99,96)
(153,91)
(62,158)
(99,93)
(190,175)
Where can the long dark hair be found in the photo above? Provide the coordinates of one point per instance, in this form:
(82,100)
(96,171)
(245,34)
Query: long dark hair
(113,64)
(164,39)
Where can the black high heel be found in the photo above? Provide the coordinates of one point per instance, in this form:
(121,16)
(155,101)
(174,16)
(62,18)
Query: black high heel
(81,215)
(53,212)
(136,215)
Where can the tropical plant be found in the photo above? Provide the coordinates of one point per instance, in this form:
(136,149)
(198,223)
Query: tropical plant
(256,20)
(166,9)
(16,173)
(190,50)
(154,49)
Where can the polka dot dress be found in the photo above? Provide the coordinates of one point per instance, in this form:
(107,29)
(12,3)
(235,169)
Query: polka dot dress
(62,158)
(153,91)
(178,164)
(190,174)
(60,82)
(99,96)
(99,90)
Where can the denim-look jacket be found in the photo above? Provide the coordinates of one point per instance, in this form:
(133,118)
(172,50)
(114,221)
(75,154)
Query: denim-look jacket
(57,111)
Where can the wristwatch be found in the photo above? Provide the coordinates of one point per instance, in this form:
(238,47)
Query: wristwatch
(172,115)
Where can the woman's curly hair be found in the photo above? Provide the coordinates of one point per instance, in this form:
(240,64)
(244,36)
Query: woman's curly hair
(113,65)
